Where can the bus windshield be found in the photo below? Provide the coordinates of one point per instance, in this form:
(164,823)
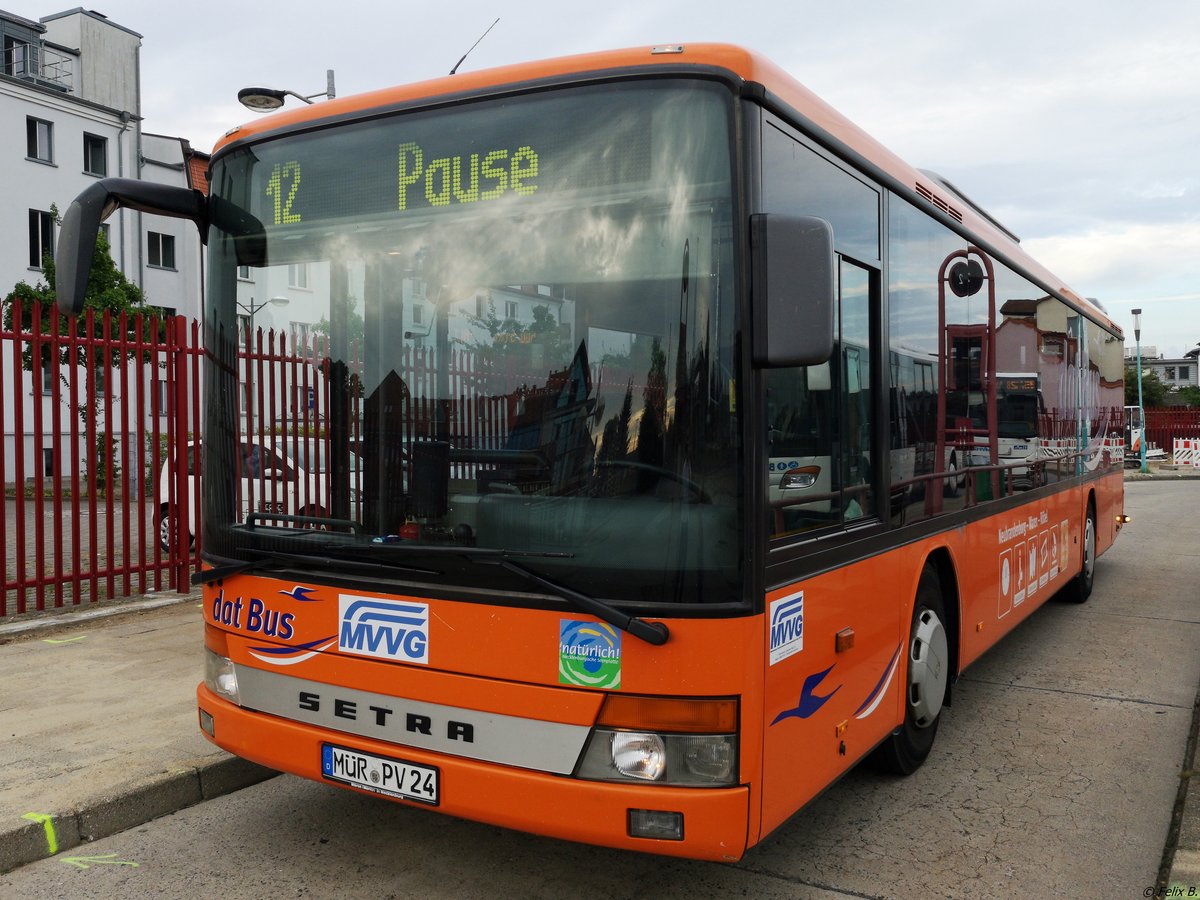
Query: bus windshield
(511,324)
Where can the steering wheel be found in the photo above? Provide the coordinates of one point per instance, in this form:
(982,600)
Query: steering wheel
(698,494)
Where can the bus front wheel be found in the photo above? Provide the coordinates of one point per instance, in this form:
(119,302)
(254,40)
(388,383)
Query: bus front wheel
(1080,587)
(928,674)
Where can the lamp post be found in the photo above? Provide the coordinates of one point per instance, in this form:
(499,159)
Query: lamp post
(1137,338)
(250,309)
(265,99)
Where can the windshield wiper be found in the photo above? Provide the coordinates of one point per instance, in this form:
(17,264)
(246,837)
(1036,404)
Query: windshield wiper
(270,558)
(651,632)
(655,633)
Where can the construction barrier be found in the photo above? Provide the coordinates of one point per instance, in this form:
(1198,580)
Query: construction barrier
(1187,452)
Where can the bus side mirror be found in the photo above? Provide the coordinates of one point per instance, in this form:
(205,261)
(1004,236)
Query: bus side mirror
(81,222)
(792,290)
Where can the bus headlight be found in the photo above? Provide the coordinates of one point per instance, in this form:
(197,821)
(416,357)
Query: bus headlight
(220,677)
(674,759)
(663,740)
(799,479)
(639,755)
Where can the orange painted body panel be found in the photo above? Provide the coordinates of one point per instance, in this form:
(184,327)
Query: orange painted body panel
(504,661)
(803,721)
(823,710)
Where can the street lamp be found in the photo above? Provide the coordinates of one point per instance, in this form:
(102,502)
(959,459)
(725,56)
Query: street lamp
(251,308)
(1137,338)
(265,99)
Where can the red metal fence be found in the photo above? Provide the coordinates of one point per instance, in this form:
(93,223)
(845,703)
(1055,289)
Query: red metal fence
(1164,425)
(99,451)
(92,408)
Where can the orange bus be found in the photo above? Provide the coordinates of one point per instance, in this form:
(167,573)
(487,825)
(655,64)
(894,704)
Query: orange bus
(662,419)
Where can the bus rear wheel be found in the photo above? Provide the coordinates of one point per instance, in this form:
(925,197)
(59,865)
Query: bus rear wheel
(928,675)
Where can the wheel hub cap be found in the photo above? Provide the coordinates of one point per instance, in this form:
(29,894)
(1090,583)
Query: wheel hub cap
(928,667)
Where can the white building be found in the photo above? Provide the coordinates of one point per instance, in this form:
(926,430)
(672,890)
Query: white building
(70,100)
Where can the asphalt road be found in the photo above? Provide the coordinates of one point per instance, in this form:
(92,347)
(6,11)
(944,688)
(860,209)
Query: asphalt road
(1054,774)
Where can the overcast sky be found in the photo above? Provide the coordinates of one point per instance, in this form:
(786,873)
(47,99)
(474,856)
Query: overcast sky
(1076,124)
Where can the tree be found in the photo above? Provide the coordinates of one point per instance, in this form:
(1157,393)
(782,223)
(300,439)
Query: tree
(1154,392)
(108,291)
(1191,395)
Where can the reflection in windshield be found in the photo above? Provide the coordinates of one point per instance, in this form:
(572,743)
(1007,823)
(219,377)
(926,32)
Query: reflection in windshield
(527,344)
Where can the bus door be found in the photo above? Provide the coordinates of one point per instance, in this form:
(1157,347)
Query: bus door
(833,645)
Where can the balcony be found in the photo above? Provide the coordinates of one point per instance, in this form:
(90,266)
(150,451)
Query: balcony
(38,64)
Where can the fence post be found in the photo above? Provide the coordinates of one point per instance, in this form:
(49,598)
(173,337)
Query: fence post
(178,372)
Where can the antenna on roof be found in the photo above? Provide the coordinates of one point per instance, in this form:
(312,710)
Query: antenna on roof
(473,46)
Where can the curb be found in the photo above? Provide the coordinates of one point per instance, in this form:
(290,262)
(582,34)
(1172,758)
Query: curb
(24,623)
(1181,863)
(130,805)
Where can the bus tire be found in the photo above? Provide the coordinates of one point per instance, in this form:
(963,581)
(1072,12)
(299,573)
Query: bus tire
(1080,587)
(927,678)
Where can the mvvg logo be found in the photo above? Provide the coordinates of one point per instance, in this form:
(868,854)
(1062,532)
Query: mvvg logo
(787,626)
(385,629)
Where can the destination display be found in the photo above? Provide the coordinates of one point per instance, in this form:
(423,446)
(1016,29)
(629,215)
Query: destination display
(476,156)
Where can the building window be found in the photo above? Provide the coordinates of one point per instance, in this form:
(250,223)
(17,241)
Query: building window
(95,155)
(1185,373)
(1169,373)
(418,315)
(298,275)
(243,273)
(300,334)
(48,372)
(510,309)
(16,57)
(162,250)
(162,400)
(41,237)
(39,140)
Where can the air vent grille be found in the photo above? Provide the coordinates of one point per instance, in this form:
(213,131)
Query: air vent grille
(937,201)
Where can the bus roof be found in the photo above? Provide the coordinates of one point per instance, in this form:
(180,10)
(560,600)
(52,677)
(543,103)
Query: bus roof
(746,65)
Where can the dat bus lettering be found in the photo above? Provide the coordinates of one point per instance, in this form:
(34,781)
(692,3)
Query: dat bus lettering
(260,618)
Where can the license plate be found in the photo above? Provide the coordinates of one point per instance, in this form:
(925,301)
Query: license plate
(379,774)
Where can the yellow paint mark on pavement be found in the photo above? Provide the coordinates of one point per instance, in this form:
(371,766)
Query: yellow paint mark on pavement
(64,640)
(104,859)
(48,826)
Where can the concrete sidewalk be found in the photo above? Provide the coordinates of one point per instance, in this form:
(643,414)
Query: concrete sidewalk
(98,728)
(98,733)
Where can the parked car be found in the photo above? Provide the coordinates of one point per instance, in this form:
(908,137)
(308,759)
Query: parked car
(280,474)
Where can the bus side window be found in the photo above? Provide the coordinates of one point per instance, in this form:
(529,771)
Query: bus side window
(819,419)
(819,426)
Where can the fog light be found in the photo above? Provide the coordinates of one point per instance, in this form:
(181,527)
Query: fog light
(220,676)
(656,823)
(207,725)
